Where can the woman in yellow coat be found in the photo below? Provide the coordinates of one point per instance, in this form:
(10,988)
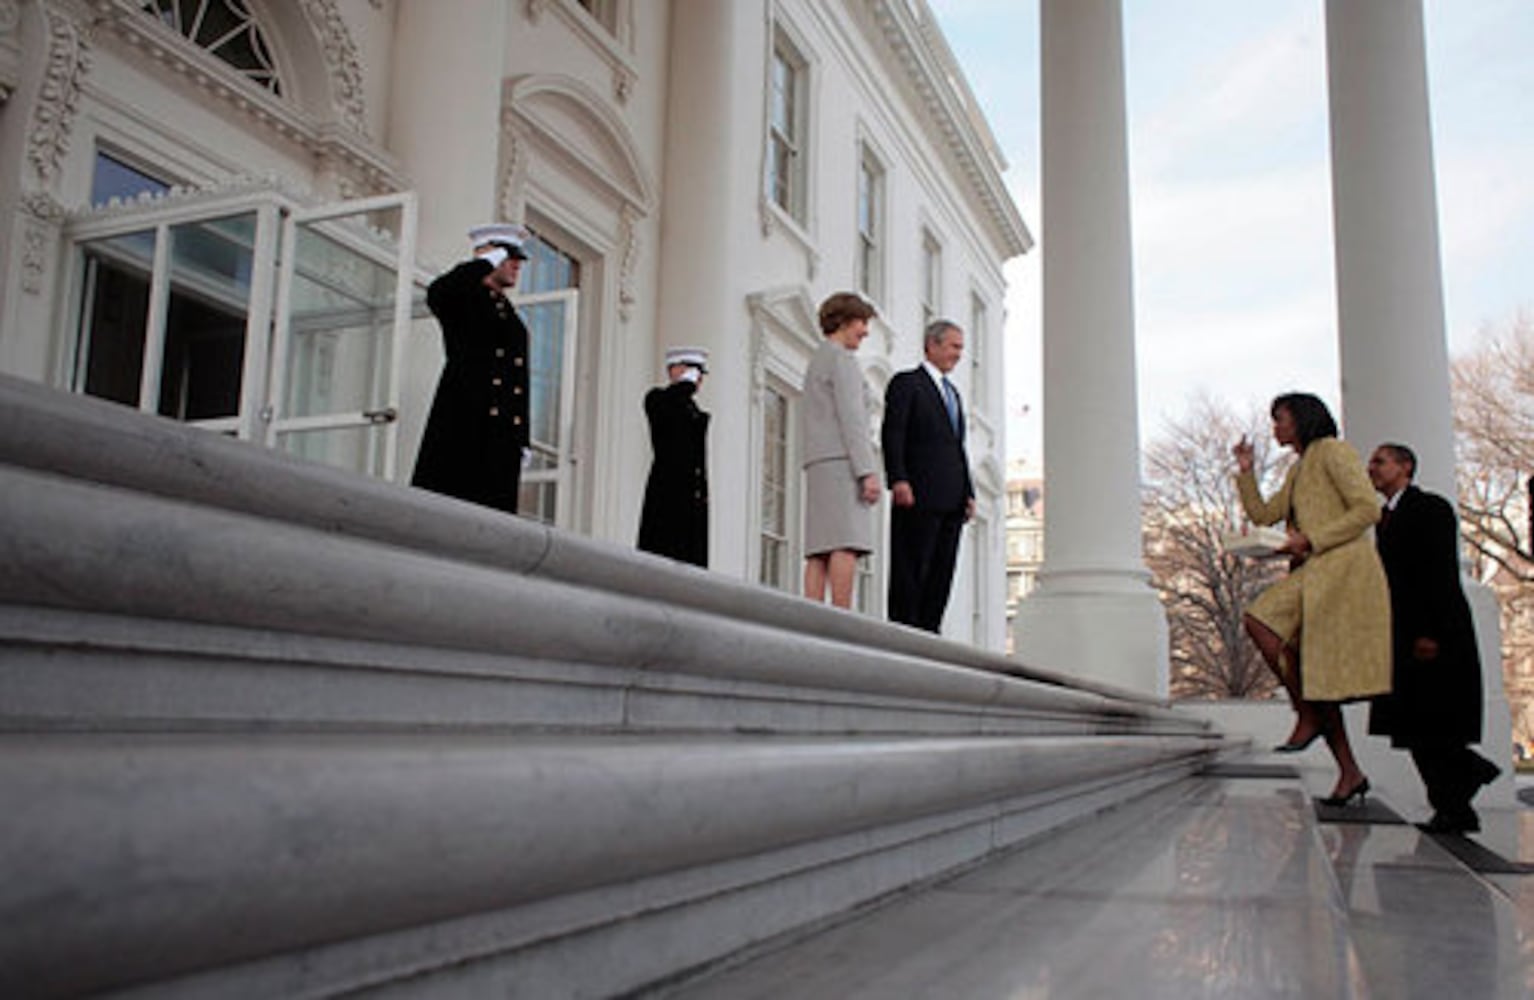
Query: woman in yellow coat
(1325,628)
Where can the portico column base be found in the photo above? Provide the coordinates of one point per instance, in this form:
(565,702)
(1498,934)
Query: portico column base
(1497,720)
(1109,628)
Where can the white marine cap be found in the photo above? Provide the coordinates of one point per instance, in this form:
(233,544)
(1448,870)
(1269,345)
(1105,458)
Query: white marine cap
(509,235)
(695,356)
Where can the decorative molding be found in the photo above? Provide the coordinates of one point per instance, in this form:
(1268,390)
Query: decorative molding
(928,65)
(535,9)
(69,60)
(551,108)
(514,163)
(628,250)
(10,49)
(44,216)
(342,60)
(341,143)
(180,196)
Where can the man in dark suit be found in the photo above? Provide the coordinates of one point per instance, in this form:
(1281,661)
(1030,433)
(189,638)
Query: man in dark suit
(1434,708)
(478,429)
(928,473)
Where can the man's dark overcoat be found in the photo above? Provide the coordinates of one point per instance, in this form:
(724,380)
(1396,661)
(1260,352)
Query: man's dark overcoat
(674,521)
(472,447)
(1434,701)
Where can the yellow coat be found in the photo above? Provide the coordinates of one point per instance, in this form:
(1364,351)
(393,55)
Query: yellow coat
(1344,602)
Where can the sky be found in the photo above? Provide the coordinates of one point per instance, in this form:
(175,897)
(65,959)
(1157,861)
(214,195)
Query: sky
(1231,194)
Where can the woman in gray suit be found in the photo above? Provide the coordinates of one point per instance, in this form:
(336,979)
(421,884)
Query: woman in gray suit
(841,477)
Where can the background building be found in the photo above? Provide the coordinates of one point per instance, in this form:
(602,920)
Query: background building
(1025,537)
(226,214)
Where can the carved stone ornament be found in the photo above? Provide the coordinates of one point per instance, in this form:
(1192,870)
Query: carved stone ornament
(514,164)
(69,60)
(628,249)
(535,9)
(342,60)
(10,49)
(44,216)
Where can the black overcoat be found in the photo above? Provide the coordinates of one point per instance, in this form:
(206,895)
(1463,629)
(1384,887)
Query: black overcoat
(472,446)
(674,521)
(1433,701)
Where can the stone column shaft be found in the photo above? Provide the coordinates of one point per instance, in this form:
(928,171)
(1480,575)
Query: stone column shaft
(1390,316)
(1094,613)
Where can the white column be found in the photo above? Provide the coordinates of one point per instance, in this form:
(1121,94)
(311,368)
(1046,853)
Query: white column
(445,116)
(1094,614)
(444,124)
(1395,364)
(713,45)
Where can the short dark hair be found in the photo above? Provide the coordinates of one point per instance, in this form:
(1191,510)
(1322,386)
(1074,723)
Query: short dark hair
(842,308)
(1312,419)
(1401,453)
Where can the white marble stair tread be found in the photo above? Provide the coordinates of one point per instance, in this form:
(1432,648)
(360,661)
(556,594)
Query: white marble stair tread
(1423,924)
(1210,888)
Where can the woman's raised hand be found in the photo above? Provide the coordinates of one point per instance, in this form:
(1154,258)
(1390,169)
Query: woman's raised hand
(1243,453)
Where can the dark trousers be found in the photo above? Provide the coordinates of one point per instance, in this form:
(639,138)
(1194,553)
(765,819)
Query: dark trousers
(923,547)
(1452,774)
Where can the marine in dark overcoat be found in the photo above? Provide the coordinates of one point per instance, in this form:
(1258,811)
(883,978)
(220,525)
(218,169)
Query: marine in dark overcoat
(674,521)
(478,427)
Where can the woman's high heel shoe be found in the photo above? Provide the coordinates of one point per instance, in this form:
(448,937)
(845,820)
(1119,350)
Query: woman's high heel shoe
(1295,746)
(1358,792)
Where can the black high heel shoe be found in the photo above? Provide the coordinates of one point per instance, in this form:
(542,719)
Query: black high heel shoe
(1358,792)
(1291,746)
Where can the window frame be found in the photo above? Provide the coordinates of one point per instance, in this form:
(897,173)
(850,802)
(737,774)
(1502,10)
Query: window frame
(869,241)
(931,271)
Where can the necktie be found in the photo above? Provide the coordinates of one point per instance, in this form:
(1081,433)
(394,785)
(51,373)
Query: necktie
(951,400)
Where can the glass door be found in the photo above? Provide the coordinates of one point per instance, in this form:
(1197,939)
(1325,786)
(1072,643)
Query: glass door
(173,320)
(548,476)
(344,303)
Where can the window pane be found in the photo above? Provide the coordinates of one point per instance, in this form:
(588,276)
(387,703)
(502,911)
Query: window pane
(114,315)
(112,178)
(342,325)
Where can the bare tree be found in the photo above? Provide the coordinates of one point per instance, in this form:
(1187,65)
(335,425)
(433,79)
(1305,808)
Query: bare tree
(1494,431)
(1190,500)
(1494,424)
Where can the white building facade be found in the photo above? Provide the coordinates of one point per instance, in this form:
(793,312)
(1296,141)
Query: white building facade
(226,213)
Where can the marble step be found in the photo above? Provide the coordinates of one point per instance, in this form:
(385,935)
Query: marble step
(267,729)
(1210,887)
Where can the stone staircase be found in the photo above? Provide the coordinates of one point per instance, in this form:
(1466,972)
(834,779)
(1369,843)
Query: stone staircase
(270,729)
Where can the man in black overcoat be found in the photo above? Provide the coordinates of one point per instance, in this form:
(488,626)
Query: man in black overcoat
(674,521)
(1434,707)
(928,473)
(478,428)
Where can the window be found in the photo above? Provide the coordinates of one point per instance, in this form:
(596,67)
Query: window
(113,178)
(226,29)
(931,278)
(776,570)
(870,244)
(974,346)
(786,129)
(546,299)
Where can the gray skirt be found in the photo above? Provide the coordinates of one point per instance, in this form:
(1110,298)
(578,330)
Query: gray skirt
(834,517)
